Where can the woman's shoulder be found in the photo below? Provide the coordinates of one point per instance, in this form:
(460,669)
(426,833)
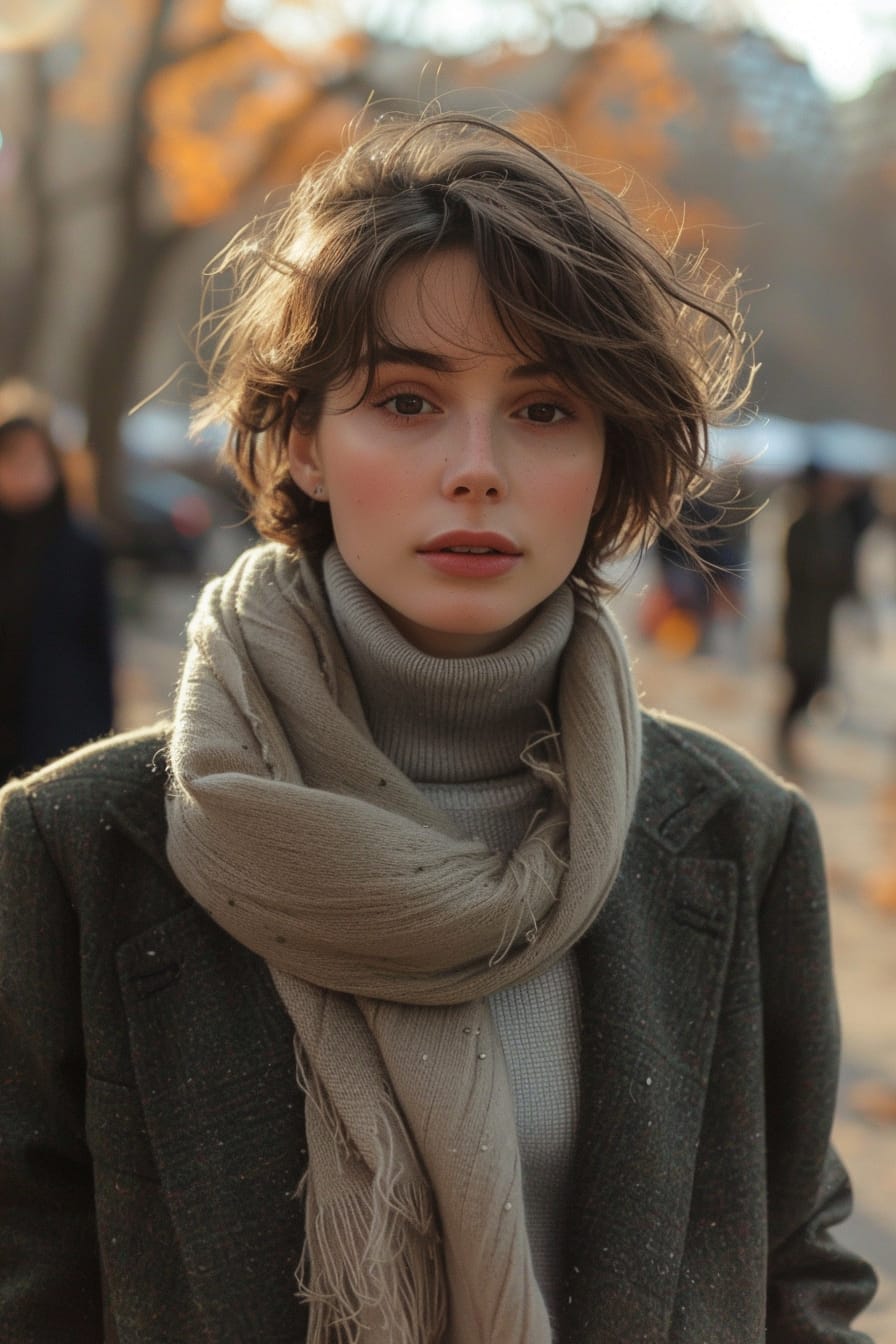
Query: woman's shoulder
(669,739)
(131,758)
(693,777)
(91,828)
(122,773)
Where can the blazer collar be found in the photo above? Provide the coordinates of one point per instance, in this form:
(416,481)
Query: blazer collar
(682,787)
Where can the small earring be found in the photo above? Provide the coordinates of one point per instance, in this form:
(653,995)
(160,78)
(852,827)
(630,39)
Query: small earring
(318,492)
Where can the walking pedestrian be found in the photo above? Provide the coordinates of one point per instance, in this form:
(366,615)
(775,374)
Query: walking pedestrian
(820,557)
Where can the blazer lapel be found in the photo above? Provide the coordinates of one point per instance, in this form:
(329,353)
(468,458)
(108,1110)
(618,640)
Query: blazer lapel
(653,970)
(212,1052)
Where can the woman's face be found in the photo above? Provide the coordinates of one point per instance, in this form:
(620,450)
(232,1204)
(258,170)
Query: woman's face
(462,486)
(27,473)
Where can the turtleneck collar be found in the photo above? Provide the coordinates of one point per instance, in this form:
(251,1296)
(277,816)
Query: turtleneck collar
(448,720)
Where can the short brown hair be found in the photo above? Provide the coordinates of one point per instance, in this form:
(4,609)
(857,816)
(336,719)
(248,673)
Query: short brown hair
(651,340)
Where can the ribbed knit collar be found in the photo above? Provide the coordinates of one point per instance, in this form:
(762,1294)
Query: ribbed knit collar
(448,720)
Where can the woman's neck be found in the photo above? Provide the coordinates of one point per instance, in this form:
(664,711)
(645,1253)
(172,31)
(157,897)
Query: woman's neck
(448,720)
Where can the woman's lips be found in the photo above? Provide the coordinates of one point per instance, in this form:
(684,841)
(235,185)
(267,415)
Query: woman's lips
(467,554)
(471,564)
(469,539)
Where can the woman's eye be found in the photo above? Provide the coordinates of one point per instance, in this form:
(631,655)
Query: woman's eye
(407,404)
(544,413)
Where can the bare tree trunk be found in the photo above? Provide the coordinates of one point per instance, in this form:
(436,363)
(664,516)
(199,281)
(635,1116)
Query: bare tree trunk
(142,254)
(108,369)
(109,378)
(26,319)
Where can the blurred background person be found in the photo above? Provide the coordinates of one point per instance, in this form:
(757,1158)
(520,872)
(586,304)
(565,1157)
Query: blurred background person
(696,600)
(820,557)
(55,621)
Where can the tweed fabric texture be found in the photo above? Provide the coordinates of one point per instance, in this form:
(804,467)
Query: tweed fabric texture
(411,1108)
(703,1206)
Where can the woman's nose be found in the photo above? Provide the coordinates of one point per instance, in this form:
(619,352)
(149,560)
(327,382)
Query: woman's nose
(473,468)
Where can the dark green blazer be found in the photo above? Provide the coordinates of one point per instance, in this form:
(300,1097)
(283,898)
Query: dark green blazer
(153,1133)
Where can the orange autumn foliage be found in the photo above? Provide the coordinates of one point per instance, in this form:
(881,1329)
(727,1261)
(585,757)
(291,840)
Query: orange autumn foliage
(622,100)
(209,114)
(218,102)
(194,21)
(110,38)
(705,223)
(223,108)
(615,121)
(323,132)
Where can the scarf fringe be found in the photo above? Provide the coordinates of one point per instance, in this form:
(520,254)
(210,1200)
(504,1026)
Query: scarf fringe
(371,1267)
(392,1292)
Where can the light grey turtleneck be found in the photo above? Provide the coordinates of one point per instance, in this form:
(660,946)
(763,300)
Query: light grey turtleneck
(457,726)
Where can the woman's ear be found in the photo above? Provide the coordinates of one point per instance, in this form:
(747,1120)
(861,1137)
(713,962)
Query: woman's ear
(305,466)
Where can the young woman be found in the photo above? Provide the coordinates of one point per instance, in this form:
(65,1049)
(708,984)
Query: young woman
(414,912)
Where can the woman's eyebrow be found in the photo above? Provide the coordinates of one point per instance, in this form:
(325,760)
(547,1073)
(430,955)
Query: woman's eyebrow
(390,353)
(536,370)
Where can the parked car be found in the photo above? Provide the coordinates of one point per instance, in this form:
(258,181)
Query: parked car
(177,500)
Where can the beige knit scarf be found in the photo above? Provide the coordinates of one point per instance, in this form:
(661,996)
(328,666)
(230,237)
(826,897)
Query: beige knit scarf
(385,931)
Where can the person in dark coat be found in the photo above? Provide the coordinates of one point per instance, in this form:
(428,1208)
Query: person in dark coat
(820,557)
(56,658)
(704,577)
(415,986)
